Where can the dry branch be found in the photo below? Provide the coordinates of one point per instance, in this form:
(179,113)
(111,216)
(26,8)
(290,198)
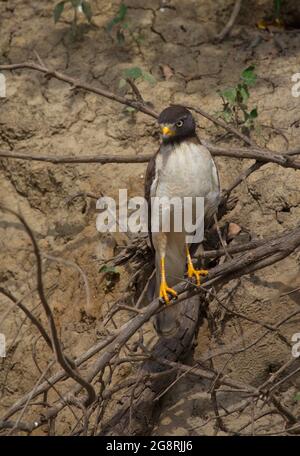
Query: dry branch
(101,159)
(29,314)
(234,14)
(138,105)
(65,363)
(139,402)
(121,423)
(253,260)
(261,155)
(75,84)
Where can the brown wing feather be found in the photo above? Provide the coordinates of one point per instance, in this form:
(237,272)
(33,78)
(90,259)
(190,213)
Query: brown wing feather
(149,177)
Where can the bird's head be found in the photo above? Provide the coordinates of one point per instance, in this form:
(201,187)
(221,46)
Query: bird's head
(176,123)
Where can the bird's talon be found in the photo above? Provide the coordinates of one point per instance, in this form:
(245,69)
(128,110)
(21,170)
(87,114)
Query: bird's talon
(165,291)
(197,273)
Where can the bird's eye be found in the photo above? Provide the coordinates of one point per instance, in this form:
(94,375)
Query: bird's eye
(179,123)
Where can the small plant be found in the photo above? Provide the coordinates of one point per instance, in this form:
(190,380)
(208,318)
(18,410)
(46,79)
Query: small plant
(130,77)
(136,73)
(119,24)
(79,6)
(297,397)
(277,10)
(235,101)
(111,276)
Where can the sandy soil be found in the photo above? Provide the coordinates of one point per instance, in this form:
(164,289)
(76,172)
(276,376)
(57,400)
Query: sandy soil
(44,116)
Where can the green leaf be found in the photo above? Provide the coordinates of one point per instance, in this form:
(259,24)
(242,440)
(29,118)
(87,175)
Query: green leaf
(227,114)
(58,10)
(297,397)
(105,269)
(249,69)
(120,16)
(133,73)
(112,276)
(277,8)
(149,78)
(122,11)
(230,95)
(248,75)
(243,89)
(130,109)
(87,10)
(253,114)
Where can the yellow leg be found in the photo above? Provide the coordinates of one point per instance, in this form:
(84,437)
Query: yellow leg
(164,290)
(192,271)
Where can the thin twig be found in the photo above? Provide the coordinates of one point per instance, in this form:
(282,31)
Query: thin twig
(79,85)
(61,359)
(234,14)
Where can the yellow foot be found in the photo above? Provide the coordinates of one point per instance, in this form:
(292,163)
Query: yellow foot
(192,272)
(165,291)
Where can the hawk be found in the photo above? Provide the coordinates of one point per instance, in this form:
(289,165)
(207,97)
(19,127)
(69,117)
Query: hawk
(182,167)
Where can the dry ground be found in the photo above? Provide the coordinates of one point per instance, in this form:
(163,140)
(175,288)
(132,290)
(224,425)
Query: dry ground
(44,116)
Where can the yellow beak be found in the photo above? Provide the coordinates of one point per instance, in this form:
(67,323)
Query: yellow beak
(166,131)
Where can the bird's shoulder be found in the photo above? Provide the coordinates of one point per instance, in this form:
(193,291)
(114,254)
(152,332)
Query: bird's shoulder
(149,178)
(150,174)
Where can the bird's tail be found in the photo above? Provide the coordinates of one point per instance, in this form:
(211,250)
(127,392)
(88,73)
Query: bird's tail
(167,321)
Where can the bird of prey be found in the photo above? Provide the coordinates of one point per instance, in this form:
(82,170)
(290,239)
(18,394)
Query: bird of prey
(182,167)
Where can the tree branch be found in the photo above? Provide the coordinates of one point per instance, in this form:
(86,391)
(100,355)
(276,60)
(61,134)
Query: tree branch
(80,85)
(61,359)
(234,14)
(262,156)
(255,259)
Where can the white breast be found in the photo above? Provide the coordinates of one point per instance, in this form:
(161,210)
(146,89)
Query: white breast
(185,170)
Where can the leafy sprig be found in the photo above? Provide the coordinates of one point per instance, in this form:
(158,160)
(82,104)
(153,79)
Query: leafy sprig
(235,101)
(136,73)
(120,25)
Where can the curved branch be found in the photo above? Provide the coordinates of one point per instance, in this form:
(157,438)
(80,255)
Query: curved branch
(80,85)
(226,30)
(257,258)
(61,359)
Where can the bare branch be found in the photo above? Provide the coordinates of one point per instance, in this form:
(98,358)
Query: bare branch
(255,259)
(80,85)
(53,331)
(226,30)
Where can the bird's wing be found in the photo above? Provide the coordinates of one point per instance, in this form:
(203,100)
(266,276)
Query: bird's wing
(150,175)
(213,198)
(213,195)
